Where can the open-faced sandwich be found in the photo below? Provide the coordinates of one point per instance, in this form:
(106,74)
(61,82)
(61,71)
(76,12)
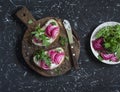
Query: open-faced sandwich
(50,59)
(46,35)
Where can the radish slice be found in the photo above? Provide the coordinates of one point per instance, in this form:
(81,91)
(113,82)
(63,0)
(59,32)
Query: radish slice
(115,59)
(43,65)
(107,56)
(58,58)
(111,57)
(97,44)
(53,54)
(36,40)
(55,32)
(48,30)
(50,52)
(52,31)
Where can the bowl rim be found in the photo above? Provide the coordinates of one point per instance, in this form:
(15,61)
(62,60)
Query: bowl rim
(95,53)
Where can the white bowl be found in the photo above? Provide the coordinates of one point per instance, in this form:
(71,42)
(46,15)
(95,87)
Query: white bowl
(111,23)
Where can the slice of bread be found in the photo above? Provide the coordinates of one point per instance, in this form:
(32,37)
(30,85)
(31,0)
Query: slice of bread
(56,56)
(54,32)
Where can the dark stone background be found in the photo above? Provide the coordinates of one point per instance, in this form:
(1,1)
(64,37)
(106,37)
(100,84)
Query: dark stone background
(84,15)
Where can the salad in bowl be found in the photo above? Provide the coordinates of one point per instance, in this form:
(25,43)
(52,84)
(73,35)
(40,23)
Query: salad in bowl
(105,42)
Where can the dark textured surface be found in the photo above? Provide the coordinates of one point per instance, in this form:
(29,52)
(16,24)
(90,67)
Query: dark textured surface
(84,15)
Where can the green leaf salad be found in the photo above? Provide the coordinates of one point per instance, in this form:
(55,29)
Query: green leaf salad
(107,43)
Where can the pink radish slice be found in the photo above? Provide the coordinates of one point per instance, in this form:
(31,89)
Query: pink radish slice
(43,65)
(106,56)
(36,40)
(55,32)
(58,58)
(97,44)
(48,30)
(52,54)
(114,59)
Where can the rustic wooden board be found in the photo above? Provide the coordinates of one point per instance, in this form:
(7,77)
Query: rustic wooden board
(28,48)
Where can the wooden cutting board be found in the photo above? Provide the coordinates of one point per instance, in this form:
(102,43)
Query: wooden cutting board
(28,48)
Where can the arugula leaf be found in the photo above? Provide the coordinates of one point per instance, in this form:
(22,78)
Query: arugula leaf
(40,34)
(47,60)
(63,40)
(66,57)
(44,57)
(100,58)
(118,53)
(53,23)
(107,45)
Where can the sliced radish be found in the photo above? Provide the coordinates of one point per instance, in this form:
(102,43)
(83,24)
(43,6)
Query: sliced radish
(55,32)
(115,59)
(97,44)
(58,58)
(36,40)
(52,31)
(50,52)
(43,65)
(48,30)
(53,56)
(106,56)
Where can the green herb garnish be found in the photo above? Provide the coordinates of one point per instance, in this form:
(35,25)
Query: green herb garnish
(63,40)
(40,34)
(100,58)
(66,57)
(30,21)
(43,57)
(53,23)
(118,53)
(111,35)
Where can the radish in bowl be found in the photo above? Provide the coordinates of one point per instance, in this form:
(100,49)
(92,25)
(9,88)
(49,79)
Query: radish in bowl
(105,43)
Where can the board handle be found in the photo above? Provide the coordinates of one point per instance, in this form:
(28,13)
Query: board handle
(25,16)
